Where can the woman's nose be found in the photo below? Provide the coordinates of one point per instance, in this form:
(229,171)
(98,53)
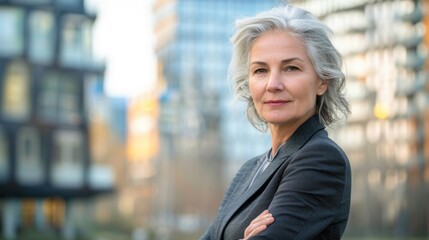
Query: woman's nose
(275,83)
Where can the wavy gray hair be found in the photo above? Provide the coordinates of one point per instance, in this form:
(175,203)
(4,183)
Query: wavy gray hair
(326,59)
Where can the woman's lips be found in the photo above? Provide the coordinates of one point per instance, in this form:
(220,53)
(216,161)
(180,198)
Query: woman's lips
(276,102)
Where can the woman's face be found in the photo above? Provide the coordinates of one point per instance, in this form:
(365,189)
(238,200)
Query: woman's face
(282,79)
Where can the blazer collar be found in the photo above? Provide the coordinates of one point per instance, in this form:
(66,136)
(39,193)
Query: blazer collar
(300,136)
(298,139)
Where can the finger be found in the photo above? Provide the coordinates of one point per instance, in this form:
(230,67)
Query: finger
(262,220)
(265,221)
(257,221)
(252,226)
(256,231)
(269,220)
(262,216)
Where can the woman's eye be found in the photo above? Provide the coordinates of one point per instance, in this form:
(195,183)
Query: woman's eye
(291,68)
(260,70)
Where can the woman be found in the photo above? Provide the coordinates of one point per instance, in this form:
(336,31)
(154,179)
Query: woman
(288,71)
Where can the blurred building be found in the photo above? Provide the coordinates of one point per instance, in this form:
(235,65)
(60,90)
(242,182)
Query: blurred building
(136,186)
(205,137)
(384,44)
(46,73)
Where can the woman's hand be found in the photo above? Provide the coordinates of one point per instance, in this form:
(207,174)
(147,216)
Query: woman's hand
(259,224)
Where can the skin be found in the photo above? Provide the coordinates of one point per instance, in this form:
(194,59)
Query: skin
(283,84)
(259,224)
(284,87)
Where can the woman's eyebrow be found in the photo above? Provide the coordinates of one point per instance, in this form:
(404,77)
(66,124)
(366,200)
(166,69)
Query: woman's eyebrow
(285,61)
(258,63)
(292,59)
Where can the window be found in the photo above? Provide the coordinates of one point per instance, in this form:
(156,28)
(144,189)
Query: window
(76,40)
(68,106)
(59,98)
(42,37)
(16,92)
(68,159)
(29,160)
(11,31)
(68,147)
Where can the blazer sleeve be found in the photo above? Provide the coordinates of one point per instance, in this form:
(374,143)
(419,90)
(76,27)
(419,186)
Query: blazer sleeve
(309,195)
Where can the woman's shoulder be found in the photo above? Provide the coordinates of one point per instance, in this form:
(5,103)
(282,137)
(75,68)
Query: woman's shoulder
(322,141)
(321,146)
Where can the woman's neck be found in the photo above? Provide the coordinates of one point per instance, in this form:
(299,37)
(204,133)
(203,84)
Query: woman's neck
(278,137)
(281,133)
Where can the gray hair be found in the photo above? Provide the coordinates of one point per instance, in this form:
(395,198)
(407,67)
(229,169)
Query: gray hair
(326,59)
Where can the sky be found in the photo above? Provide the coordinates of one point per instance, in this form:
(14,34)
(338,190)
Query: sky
(123,37)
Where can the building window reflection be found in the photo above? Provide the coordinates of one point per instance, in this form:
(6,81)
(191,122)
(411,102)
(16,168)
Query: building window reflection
(16,92)
(42,37)
(29,160)
(59,98)
(76,41)
(11,31)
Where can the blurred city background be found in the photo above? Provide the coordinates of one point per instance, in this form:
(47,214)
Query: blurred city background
(117,120)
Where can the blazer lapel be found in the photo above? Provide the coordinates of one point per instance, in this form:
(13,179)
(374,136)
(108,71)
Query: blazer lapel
(248,176)
(239,191)
(298,139)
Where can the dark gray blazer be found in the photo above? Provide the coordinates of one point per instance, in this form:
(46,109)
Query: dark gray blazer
(306,188)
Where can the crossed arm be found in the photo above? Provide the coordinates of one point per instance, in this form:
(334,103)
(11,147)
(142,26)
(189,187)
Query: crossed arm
(307,200)
(259,224)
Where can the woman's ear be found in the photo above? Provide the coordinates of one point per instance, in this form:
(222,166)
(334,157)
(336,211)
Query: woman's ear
(323,86)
